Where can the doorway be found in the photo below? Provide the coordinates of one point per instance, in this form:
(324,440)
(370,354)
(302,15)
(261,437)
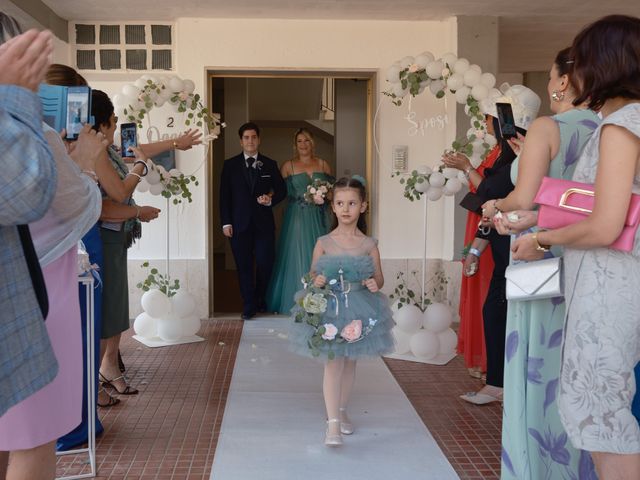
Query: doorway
(335,106)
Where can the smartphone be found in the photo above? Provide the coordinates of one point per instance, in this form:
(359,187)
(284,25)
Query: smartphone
(506,121)
(128,138)
(78,110)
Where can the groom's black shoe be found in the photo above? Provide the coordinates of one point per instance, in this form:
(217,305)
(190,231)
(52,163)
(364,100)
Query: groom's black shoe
(247,315)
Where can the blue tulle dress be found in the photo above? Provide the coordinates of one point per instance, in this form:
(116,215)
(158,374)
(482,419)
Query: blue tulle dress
(348,300)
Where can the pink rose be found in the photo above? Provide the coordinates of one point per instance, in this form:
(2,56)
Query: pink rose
(353,331)
(413,68)
(183,96)
(330,331)
(318,199)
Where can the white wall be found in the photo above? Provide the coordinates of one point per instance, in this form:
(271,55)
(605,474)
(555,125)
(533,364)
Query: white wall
(219,44)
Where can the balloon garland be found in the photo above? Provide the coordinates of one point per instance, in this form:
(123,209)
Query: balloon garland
(414,75)
(135,102)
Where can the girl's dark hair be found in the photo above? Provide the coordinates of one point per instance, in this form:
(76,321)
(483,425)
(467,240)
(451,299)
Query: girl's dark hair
(101,109)
(9,28)
(606,57)
(64,75)
(350,182)
(564,62)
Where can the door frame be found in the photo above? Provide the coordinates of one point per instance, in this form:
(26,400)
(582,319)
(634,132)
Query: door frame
(213,73)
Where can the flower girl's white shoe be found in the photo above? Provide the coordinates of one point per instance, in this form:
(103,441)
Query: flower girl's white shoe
(332,440)
(346,427)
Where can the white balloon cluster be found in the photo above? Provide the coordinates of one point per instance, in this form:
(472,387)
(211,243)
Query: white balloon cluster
(466,81)
(136,100)
(425,335)
(170,319)
(159,181)
(436,183)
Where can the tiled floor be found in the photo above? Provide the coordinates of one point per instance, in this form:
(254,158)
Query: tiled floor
(170,430)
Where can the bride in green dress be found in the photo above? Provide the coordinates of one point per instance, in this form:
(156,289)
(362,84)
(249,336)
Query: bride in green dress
(303,223)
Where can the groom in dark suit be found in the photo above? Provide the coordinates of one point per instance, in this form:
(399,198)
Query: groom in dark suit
(250,185)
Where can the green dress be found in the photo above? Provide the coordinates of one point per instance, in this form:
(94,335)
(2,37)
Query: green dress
(303,224)
(534,443)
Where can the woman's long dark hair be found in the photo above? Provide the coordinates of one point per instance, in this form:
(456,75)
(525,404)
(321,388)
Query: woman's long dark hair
(350,182)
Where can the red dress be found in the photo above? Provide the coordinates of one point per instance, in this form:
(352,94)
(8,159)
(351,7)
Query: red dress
(473,290)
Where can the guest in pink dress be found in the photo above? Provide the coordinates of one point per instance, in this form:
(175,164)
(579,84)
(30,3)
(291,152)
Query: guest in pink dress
(29,429)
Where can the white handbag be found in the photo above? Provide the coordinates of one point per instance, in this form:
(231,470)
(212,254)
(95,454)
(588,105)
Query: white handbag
(535,280)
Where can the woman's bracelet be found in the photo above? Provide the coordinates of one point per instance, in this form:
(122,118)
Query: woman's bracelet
(175,145)
(475,251)
(91,174)
(539,246)
(467,172)
(136,175)
(143,163)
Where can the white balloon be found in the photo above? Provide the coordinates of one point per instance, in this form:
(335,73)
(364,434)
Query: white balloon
(477,145)
(131,91)
(423,59)
(475,159)
(153,177)
(394,306)
(174,172)
(437,179)
(425,345)
(189,86)
(190,325)
(117,99)
(140,83)
(479,92)
(455,82)
(437,318)
(175,84)
(393,73)
(434,69)
(156,189)
(169,328)
(488,80)
(183,303)
(448,341)
(471,78)
(145,325)
(402,339)
(436,86)
(452,186)
(450,59)
(143,185)
(165,93)
(422,187)
(462,94)
(159,101)
(398,91)
(461,66)
(434,193)
(161,170)
(462,178)
(476,68)
(449,172)
(406,61)
(490,139)
(156,303)
(424,170)
(408,318)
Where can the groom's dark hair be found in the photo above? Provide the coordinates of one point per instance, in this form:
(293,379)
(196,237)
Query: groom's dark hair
(248,126)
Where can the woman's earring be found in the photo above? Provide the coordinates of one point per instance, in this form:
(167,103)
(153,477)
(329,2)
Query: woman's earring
(557,96)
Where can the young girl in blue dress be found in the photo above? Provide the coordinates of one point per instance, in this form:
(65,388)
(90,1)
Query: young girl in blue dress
(341,315)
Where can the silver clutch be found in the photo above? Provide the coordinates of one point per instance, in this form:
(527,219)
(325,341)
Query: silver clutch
(535,280)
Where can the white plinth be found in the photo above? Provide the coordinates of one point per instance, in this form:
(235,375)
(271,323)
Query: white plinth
(440,359)
(158,342)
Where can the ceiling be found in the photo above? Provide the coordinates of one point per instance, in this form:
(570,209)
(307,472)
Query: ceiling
(531,31)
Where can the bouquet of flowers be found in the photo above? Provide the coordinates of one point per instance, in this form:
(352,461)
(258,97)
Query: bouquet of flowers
(317,191)
(313,304)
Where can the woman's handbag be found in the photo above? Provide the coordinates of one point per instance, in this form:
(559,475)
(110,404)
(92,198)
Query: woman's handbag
(563,202)
(535,280)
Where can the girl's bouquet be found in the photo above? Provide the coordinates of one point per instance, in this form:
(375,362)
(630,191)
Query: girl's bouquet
(317,191)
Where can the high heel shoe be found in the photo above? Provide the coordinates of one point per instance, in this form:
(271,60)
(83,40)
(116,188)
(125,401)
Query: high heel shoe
(346,428)
(332,440)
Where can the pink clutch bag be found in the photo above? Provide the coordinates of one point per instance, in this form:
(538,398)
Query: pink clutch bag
(563,202)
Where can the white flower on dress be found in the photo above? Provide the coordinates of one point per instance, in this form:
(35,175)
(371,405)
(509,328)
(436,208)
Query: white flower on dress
(314,303)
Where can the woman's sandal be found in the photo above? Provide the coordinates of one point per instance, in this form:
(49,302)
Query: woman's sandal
(346,428)
(129,390)
(332,440)
(110,403)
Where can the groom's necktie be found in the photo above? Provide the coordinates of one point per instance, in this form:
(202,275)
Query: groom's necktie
(252,171)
